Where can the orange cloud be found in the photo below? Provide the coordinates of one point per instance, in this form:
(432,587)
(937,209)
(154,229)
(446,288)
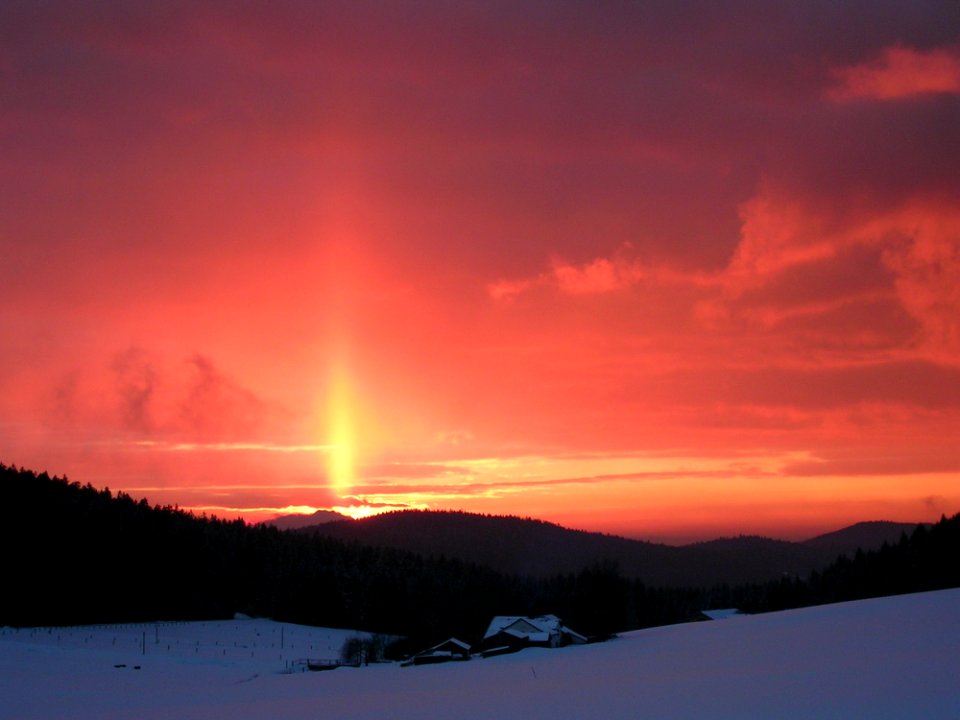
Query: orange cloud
(899,72)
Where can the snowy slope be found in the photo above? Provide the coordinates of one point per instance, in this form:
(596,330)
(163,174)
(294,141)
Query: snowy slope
(887,658)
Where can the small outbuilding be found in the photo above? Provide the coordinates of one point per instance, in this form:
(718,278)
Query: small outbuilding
(447,651)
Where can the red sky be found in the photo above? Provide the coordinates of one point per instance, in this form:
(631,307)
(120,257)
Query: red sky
(664,269)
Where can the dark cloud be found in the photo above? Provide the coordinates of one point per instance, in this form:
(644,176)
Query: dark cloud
(216,408)
(820,387)
(496,487)
(136,384)
(622,120)
(310,494)
(865,157)
(141,393)
(359,502)
(936,503)
(874,463)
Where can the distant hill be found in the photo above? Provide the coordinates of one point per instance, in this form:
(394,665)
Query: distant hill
(539,549)
(296,521)
(862,536)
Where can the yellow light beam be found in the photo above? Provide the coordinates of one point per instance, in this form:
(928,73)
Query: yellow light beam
(341,458)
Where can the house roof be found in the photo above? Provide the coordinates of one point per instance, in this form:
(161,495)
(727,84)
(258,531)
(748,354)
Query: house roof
(449,649)
(521,625)
(536,629)
(452,641)
(721,614)
(446,646)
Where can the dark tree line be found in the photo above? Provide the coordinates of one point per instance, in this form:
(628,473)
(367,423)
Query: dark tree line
(73,554)
(76,555)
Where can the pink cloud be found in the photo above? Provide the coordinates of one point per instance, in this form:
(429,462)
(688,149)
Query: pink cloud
(600,276)
(800,259)
(141,394)
(899,72)
(776,234)
(926,263)
(507,289)
(873,464)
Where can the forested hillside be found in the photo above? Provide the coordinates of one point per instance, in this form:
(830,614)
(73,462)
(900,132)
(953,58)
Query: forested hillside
(73,554)
(525,546)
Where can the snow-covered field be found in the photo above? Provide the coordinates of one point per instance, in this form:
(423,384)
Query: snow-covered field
(888,658)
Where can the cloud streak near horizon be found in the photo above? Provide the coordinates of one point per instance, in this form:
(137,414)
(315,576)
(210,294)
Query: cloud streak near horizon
(713,253)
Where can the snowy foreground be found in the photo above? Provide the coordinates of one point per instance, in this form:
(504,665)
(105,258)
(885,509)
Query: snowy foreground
(888,658)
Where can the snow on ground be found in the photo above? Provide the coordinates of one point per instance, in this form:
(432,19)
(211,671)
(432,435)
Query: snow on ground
(260,646)
(886,658)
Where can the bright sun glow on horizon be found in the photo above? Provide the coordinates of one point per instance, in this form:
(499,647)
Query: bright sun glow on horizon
(358,512)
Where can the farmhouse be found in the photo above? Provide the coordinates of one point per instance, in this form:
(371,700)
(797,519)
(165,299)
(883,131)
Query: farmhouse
(509,633)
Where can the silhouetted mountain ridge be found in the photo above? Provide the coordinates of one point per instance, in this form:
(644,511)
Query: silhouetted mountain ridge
(296,521)
(536,548)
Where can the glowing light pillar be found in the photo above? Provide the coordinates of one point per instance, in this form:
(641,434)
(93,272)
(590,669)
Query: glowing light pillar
(341,459)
